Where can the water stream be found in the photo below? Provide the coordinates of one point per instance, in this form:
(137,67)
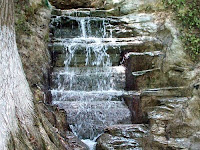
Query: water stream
(90,86)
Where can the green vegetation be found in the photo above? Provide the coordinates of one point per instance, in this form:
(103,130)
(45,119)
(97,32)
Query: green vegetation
(188,13)
(21,26)
(46,38)
(23,13)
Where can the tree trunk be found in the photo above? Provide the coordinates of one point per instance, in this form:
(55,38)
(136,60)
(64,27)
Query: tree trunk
(16,101)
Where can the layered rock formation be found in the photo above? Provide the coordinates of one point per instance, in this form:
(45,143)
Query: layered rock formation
(169,106)
(166,110)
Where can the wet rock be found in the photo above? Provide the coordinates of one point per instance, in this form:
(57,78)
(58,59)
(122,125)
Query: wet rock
(119,7)
(168,110)
(56,117)
(123,137)
(151,97)
(62,4)
(169,121)
(74,80)
(97,113)
(80,12)
(134,104)
(55,130)
(81,60)
(142,70)
(75,143)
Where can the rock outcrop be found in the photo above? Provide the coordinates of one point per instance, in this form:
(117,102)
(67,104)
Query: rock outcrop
(125,137)
(163,74)
(166,108)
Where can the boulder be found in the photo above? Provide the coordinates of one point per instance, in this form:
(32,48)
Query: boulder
(123,137)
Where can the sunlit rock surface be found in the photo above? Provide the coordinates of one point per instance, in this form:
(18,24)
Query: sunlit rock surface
(123,137)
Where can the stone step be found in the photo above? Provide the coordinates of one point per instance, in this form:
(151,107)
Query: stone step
(123,137)
(139,40)
(109,45)
(167,92)
(70,27)
(143,70)
(81,12)
(88,119)
(157,97)
(141,24)
(82,70)
(82,60)
(160,116)
(88,81)
(108,31)
(163,142)
(151,97)
(94,105)
(63,21)
(174,102)
(160,113)
(84,96)
(66,27)
(61,48)
(103,78)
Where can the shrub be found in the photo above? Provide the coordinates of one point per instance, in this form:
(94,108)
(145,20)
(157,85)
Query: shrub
(188,13)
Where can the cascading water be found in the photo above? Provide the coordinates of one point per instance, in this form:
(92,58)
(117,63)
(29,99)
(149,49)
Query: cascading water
(90,86)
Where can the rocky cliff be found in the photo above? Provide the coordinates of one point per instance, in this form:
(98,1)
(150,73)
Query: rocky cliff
(168,82)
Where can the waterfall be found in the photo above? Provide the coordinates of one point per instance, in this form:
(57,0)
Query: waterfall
(90,86)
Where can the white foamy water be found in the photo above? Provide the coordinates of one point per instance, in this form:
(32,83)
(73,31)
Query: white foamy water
(90,88)
(90,143)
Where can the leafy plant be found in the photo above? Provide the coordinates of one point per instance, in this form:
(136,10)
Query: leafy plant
(24,13)
(188,13)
